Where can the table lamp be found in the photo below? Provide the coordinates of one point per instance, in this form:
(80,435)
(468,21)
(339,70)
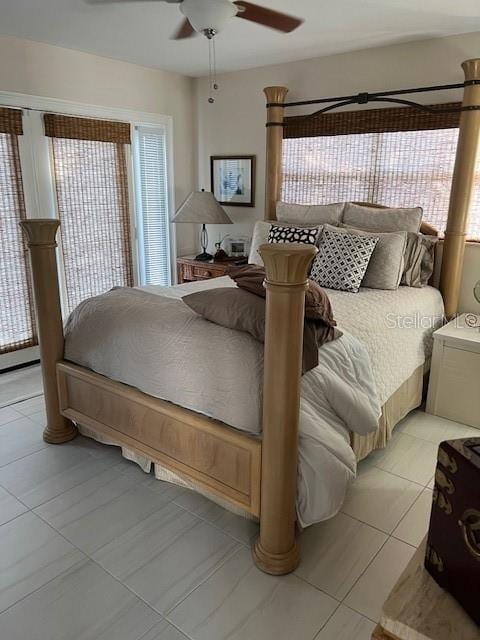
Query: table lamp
(202,207)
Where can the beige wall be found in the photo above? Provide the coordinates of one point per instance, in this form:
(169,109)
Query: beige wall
(54,72)
(235,124)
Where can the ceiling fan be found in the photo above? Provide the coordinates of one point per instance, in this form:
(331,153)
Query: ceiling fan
(210,16)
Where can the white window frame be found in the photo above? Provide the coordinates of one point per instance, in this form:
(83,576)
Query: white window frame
(138,203)
(38,180)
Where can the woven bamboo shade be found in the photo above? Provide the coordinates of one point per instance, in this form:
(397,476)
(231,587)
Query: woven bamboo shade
(373,121)
(17,325)
(399,157)
(11,121)
(58,126)
(92,198)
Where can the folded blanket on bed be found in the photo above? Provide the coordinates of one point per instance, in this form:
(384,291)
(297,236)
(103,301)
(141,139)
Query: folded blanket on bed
(319,326)
(243,309)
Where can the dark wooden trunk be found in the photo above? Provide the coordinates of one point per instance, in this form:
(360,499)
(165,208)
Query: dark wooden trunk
(453,545)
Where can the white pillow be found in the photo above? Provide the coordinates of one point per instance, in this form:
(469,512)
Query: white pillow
(260,236)
(306,214)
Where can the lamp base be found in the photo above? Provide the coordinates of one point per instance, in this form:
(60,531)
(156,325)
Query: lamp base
(204,256)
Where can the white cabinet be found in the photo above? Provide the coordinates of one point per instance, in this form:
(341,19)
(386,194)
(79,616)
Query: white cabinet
(454,388)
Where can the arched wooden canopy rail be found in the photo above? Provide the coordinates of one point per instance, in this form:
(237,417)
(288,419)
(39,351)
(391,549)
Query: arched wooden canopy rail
(463,176)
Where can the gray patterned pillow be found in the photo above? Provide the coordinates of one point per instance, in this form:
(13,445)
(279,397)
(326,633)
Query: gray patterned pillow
(342,260)
(302,235)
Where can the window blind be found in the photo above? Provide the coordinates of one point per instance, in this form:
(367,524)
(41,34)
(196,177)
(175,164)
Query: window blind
(92,196)
(153,206)
(17,326)
(399,157)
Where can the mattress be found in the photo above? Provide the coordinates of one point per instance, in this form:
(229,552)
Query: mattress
(395,327)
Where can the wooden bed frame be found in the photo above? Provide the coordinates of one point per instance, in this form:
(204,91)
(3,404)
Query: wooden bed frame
(258,476)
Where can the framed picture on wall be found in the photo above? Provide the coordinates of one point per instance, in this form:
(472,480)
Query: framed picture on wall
(233,180)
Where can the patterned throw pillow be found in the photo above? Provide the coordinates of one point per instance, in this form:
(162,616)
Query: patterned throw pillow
(292,234)
(342,260)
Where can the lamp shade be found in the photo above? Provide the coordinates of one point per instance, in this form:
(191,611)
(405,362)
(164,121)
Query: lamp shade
(201,207)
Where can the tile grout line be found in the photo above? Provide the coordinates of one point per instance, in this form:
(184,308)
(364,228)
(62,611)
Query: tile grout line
(237,543)
(88,558)
(339,604)
(91,559)
(19,500)
(390,537)
(214,524)
(248,546)
(363,572)
(27,595)
(35,395)
(40,504)
(372,526)
(402,477)
(403,518)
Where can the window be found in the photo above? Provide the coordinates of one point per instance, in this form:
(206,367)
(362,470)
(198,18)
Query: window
(153,206)
(111,194)
(92,199)
(17,328)
(397,157)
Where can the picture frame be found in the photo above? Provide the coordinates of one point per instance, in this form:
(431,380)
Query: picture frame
(233,180)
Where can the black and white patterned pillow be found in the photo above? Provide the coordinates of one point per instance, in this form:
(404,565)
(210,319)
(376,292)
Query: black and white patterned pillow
(303,235)
(342,260)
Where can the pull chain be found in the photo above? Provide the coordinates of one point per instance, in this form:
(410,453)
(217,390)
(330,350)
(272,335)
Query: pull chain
(215,85)
(212,67)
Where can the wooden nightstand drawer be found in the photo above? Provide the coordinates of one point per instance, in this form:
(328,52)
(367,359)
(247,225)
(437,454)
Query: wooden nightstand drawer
(204,273)
(189,269)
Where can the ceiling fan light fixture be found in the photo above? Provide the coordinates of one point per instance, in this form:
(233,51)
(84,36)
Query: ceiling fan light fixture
(208,16)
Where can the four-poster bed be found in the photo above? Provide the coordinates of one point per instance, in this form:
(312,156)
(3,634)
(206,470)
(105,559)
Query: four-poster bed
(258,476)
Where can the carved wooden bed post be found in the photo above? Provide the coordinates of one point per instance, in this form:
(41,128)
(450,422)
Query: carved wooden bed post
(462,189)
(41,242)
(273,162)
(286,267)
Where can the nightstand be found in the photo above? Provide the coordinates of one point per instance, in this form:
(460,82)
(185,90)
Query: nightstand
(189,269)
(454,388)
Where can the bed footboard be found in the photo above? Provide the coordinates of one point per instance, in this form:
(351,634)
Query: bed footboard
(218,458)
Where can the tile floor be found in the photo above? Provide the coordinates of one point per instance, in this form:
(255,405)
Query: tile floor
(20,384)
(93,548)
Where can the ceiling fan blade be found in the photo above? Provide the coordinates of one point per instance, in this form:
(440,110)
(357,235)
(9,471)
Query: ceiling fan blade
(267,17)
(184,31)
(128,1)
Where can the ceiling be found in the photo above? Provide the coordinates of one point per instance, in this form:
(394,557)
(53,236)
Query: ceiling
(140,32)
